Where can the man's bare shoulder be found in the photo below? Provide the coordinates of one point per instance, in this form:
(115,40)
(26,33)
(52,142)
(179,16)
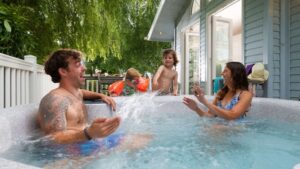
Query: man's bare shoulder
(55,95)
(52,109)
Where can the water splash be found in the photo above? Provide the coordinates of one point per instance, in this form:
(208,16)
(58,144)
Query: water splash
(137,111)
(136,106)
(149,76)
(6,138)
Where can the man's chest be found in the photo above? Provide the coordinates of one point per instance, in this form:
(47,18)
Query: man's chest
(76,114)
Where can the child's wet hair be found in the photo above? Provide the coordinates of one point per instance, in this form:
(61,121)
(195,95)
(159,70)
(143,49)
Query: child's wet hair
(173,53)
(131,73)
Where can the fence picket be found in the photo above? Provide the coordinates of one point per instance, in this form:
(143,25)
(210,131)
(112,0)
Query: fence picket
(1,87)
(22,81)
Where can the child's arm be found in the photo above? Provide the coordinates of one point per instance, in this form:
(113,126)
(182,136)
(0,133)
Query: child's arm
(175,84)
(156,77)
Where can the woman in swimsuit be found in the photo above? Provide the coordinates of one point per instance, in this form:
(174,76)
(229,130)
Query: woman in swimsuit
(232,101)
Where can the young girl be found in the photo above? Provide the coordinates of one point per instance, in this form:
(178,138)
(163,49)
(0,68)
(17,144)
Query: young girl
(166,75)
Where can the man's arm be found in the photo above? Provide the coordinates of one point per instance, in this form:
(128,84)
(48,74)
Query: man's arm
(52,111)
(93,95)
(52,119)
(101,127)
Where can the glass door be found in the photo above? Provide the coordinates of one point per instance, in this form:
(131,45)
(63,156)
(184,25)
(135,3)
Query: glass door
(221,44)
(192,62)
(221,50)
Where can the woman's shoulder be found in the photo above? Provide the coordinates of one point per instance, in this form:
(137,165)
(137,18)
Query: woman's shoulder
(245,94)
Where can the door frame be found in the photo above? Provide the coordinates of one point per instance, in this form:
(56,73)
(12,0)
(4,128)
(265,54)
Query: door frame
(214,59)
(209,16)
(187,59)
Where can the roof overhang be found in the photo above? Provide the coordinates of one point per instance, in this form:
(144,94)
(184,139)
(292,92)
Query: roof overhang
(163,25)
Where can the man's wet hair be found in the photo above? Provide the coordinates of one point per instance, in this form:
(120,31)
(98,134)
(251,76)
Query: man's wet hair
(59,59)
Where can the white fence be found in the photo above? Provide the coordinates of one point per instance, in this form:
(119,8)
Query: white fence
(22,81)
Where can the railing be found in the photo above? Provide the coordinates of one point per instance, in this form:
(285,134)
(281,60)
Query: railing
(22,81)
(100,83)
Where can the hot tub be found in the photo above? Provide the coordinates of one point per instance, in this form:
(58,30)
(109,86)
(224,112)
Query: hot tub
(268,137)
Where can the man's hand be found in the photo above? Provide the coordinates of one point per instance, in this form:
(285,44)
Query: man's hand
(93,95)
(102,127)
(110,101)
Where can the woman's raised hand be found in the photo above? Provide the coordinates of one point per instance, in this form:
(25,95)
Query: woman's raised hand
(198,92)
(190,103)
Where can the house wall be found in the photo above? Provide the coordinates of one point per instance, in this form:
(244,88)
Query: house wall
(276,49)
(271,35)
(182,24)
(254,42)
(294,69)
(203,48)
(206,8)
(259,43)
(253,31)
(180,49)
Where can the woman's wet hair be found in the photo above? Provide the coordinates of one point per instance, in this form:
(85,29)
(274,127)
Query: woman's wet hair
(239,78)
(59,59)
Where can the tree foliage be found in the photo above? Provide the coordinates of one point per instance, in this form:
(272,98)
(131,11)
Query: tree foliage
(15,37)
(110,32)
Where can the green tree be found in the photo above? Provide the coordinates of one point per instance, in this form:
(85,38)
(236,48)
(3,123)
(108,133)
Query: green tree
(110,32)
(16,38)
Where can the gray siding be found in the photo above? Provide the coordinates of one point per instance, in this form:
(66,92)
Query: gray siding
(253,31)
(183,21)
(276,49)
(203,47)
(206,7)
(294,49)
(253,17)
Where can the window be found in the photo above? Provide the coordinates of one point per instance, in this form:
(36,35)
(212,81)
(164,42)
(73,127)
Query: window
(196,6)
